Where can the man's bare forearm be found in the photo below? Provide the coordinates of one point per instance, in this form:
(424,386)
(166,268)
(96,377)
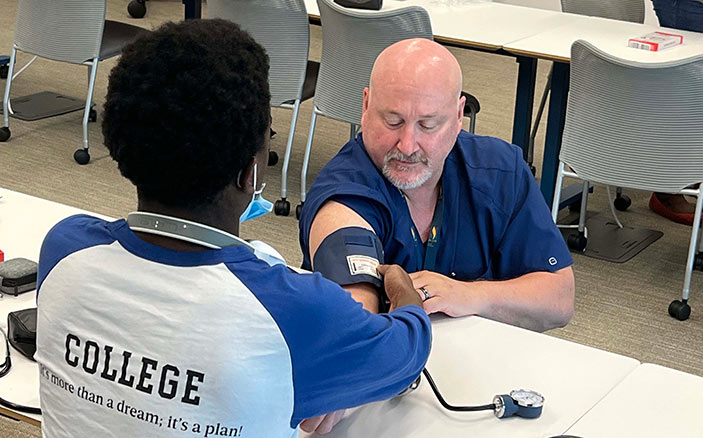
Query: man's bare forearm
(366,294)
(537,301)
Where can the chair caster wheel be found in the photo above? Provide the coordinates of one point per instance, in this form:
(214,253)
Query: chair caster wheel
(92,115)
(4,133)
(136,8)
(698,261)
(622,202)
(679,310)
(273,158)
(4,70)
(576,242)
(81,156)
(298,209)
(281,207)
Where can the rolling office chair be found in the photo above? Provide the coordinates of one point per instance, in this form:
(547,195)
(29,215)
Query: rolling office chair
(281,26)
(73,31)
(623,10)
(351,42)
(614,135)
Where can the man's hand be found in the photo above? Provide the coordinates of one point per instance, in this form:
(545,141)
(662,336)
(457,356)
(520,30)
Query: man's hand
(446,295)
(536,301)
(399,287)
(323,424)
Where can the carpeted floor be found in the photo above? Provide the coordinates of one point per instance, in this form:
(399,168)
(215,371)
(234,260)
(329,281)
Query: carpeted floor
(619,307)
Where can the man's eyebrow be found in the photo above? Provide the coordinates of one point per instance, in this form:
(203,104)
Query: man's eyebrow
(423,116)
(389,113)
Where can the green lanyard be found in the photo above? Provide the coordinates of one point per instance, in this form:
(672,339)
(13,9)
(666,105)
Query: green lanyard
(430,258)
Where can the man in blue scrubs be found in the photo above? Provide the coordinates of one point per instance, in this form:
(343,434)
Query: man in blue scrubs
(461,212)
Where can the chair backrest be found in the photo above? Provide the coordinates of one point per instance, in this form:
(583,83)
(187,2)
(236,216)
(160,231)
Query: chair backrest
(634,125)
(351,41)
(282,27)
(625,10)
(62,30)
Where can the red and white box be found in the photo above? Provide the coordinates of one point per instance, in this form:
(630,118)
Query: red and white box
(656,41)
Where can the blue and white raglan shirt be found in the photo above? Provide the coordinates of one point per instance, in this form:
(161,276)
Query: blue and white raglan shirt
(495,223)
(135,340)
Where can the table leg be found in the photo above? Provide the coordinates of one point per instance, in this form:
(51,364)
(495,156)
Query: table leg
(193,9)
(555,128)
(524,101)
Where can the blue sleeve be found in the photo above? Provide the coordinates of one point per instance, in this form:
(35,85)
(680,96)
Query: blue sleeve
(342,355)
(360,199)
(531,242)
(68,236)
(372,211)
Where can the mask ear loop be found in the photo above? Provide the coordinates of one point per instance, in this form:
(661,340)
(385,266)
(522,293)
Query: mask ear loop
(256,171)
(257,192)
(239,177)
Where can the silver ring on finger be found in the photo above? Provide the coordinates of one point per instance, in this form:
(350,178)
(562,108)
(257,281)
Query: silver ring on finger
(425,293)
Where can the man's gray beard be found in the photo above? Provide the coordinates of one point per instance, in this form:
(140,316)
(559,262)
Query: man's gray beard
(405,185)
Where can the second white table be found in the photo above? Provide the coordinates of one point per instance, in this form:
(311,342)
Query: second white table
(474,359)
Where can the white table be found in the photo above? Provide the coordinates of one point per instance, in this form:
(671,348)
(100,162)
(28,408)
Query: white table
(609,35)
(465,361)
(483,25)
(652,401)
(24,221)
(474,359)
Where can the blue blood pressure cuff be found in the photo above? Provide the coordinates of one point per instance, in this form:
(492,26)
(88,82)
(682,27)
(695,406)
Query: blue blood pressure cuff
(350,255)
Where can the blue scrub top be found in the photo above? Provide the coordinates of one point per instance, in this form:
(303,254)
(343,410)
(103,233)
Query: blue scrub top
(495,223)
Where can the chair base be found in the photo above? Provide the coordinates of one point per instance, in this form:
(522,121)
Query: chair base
(42,105)
(608,242)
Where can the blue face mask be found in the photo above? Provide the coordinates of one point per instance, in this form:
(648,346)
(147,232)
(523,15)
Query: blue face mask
(258,205)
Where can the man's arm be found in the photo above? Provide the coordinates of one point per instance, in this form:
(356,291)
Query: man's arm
(331,217)
(537,301)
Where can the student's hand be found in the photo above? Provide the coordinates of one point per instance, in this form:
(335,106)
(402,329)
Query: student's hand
(399,287)
(452,297)
(323,424)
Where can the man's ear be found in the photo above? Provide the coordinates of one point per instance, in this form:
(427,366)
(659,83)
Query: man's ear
(365,106)
(245,179)
(460,115)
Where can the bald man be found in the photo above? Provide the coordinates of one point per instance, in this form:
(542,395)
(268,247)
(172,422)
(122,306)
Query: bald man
(461,212)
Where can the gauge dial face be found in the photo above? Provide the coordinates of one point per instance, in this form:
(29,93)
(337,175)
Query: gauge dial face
(525,397)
